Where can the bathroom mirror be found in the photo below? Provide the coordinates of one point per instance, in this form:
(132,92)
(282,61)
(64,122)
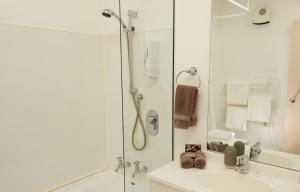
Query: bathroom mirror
(254,82)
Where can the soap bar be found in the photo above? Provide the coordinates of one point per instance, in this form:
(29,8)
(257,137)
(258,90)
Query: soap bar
(230,157)
(192,148)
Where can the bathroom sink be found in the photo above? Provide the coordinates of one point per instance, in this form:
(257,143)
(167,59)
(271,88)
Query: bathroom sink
(219,181)
(217,178)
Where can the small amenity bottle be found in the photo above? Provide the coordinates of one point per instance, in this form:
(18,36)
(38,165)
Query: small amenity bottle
(230,157)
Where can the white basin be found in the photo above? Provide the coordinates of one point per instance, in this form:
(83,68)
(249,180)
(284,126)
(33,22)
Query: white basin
(221,181)
(217,178)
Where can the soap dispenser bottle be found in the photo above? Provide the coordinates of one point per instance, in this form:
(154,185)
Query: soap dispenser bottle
(230,157)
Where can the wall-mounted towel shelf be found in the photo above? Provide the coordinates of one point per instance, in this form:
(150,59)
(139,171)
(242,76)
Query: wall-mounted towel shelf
(242,5)
(255,85)
(192,71)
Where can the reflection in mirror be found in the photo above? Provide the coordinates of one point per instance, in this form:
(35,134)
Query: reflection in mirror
(255,84)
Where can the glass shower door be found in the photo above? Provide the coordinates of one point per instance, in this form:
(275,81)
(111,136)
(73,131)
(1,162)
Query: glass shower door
(147,76)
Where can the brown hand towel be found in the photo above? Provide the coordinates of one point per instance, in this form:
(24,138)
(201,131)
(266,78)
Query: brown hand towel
(186,160)
(200,160)
(185,106)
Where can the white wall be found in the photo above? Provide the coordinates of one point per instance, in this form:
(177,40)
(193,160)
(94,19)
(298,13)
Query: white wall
(63,15)
(242,51)
(52,103)
(192,42)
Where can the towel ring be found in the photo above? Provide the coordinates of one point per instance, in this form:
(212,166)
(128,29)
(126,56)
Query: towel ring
(192,71)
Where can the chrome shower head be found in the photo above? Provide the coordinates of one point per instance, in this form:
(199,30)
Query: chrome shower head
(108,13)
(132,14)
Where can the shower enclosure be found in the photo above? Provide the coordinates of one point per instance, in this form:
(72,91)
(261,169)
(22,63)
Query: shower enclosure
(147,79)
(146,42)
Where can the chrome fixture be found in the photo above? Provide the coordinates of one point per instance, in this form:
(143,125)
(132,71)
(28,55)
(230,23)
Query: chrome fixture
(131,13)
(192,71)
(242,166)
(121,164)
(255,151)
(152,122)
(137,169)
(293,99)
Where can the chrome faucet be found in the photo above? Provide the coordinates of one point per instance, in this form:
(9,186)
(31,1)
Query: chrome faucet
(242,166)
(255,151)
(121,164)
(137,169)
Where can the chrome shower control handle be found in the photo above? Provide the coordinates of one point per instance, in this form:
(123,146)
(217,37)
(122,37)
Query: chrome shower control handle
(152,122)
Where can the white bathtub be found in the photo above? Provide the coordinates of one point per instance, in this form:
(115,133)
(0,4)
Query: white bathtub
(106,181)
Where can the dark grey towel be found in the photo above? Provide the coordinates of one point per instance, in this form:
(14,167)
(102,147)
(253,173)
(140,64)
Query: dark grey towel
(200,160)
(186,160)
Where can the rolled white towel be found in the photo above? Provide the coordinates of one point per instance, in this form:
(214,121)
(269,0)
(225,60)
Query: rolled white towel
(220,135)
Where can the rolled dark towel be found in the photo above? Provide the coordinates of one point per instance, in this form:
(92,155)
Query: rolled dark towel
(200,160)
(186,160)
(222,147)
(217,146)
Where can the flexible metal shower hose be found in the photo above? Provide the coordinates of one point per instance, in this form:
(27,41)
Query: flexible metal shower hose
(136,101)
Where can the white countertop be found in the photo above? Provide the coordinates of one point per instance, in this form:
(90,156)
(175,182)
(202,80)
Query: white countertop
(185,180)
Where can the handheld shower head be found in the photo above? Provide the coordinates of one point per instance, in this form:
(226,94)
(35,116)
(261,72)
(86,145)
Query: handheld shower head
(108,13)
(132,14)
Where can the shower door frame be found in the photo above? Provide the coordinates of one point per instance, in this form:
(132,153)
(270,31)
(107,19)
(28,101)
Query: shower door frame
(122,85)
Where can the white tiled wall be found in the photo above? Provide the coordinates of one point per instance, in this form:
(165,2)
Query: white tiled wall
(51,108)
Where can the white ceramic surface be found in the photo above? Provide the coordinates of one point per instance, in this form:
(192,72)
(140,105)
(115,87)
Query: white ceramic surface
(215,177)
(221,181)
(108,181)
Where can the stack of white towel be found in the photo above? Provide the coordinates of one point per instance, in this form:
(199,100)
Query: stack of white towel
(243,108)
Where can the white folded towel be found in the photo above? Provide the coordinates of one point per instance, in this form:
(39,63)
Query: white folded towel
(259,109)
(237,93)
(236,118)
(220,135)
